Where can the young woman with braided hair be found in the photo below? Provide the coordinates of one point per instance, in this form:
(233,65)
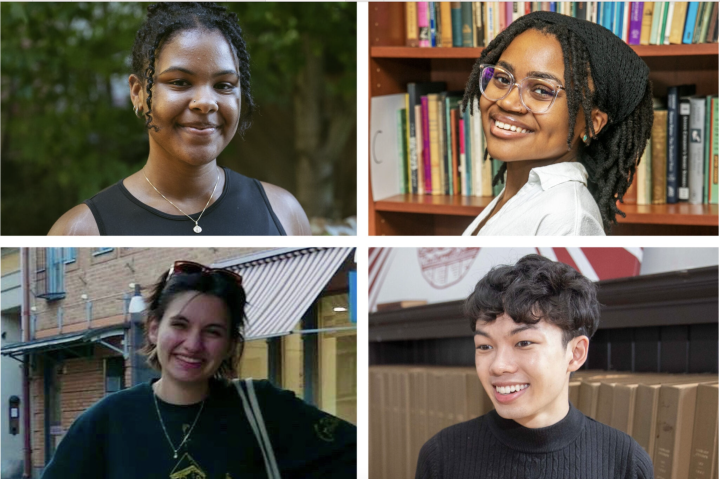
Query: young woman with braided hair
(191,86)
(566,105)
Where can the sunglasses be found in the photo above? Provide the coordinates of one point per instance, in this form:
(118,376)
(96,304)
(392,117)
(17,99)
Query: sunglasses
(190,267)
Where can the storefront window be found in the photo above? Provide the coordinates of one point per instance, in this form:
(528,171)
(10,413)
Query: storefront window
(254,362)
(338,359)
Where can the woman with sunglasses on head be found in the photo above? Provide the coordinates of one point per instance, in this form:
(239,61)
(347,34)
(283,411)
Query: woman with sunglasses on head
(191,86)
(193,422)
(566,105)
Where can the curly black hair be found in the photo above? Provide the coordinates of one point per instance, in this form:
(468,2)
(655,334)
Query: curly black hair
(165,20)
(214,284)
(537,288)
(613,154)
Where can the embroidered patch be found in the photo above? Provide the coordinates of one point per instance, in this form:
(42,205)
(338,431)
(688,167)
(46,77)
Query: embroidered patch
(325,428)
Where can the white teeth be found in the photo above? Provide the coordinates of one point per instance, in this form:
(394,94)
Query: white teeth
(510,389)
(189,360)
(509,127)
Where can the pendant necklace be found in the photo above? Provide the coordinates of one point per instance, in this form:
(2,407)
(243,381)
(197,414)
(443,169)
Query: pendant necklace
(175,451)
(197,227)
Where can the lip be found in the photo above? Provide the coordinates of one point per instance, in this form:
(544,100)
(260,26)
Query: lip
(202,132)
(508,398)
(187,365)
(507,134)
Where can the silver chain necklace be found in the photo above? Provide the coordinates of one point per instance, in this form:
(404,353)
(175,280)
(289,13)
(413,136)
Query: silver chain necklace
(197,227)
(175,451)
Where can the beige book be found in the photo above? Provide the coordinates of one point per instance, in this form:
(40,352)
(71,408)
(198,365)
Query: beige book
(418,405)
(676,412)
(589,389)
(419,149)
(445,25)
(398,423)
(377,432)
(678,22)
(432,100)
(411,24)
(704,449)
(648,9)
(658,138)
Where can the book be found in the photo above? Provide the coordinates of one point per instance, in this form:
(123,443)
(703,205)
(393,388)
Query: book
(423,24)
(456,17)
(441,144)
(677,24)
(644,177)
(463,159)
(665,38)
(466,138)
(402,149)
(432,21)
(696,149)
(676,412)
(467,24)
(673,139)
(713,25)
(659,157)
(384,152)
(711,127)
(704,448)
(415,91)
(479,28)
(446,30)
(697,31)
(648,10)
(420,157)
(658,12)
(433,121)
(426,161)
(452,102)
(690,21)
(411,24)
(636,22)
(454,145)
(684,145)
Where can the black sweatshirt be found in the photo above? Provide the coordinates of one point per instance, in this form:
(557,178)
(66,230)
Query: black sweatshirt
(492,447)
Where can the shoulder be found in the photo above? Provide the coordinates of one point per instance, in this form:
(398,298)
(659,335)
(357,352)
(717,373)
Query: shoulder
(288,210)
(78,221)
(570,209)
(630,458)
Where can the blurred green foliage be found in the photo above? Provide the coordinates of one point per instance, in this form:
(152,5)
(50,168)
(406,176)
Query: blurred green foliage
(68,129)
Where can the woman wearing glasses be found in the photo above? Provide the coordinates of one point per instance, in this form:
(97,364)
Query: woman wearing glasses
(193,422)
(567,107)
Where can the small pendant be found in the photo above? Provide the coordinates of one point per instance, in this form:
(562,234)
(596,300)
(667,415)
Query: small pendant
(175,456)
(197,229)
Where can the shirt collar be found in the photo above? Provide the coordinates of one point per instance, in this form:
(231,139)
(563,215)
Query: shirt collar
(553,175)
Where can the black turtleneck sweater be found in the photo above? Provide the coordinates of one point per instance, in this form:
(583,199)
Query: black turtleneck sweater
(492,447)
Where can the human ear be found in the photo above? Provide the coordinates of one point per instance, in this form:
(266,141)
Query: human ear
(153,325)
(137,93)
(578,350)
(599,120)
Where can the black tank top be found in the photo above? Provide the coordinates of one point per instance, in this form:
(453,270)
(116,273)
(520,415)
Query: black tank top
(241,209)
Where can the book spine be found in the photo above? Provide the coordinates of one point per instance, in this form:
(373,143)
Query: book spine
(659,157)
(636,22)
(692,15)
(454,147)
(707,149)
(432,21)
(468,152)
(668,23)
(409,137)
(713,24)
(644,180)
(477,153)
(461,147)
(518,10)
(672,145)
(441,147)
(704,448)
(697,31)
(402,149)
(423,24)
(696,147)
(581,10)
(467,24)
(684,137)
(456,14)
(655,29)
(411,24)
(498,187)
(500,13)
(714,151)
(705,23)
(413,152)
(433,120)
(648,9)
(479,28)
(419,147)
(426,145)
(446,31)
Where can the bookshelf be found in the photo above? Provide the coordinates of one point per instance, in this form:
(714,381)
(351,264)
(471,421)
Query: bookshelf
(393,65)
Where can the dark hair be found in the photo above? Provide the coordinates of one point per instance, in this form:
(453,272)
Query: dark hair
(165,20)
(537,288)
(611,158)
(230,292)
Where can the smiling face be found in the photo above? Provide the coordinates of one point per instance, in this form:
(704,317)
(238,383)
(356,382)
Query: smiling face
(525,369)
(529,54)
(196,97)
(192,338)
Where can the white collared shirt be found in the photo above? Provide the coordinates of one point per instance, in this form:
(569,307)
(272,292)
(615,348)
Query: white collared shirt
(554,202)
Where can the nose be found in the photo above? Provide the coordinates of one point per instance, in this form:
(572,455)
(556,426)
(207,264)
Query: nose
(503,362)
(513,102)
(193,342)
(204,100)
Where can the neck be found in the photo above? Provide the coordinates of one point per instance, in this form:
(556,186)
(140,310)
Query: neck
(180,394)
(181,181)
(547,417)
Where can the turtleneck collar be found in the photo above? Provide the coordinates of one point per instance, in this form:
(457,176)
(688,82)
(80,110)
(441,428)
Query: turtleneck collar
(540,440)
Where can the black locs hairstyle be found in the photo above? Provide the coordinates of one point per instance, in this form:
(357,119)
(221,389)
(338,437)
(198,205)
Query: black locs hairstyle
(230,292)
(611,158)
(537,288)
(164,20)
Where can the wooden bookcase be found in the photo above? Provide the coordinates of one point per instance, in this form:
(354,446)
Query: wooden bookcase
(393,66)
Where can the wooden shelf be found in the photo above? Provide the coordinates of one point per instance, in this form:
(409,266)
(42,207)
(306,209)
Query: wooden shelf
(474,53)
(677,214)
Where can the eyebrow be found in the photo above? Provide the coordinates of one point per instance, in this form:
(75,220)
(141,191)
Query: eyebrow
(515,331)
(184,318)
(534,74)
(189,72)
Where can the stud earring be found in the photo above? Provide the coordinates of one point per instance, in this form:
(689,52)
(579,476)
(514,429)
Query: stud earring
(584,138)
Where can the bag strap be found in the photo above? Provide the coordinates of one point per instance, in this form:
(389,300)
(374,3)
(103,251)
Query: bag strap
(254,416)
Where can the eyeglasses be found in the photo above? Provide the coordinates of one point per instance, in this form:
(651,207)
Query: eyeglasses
(536,94)
(190,267)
